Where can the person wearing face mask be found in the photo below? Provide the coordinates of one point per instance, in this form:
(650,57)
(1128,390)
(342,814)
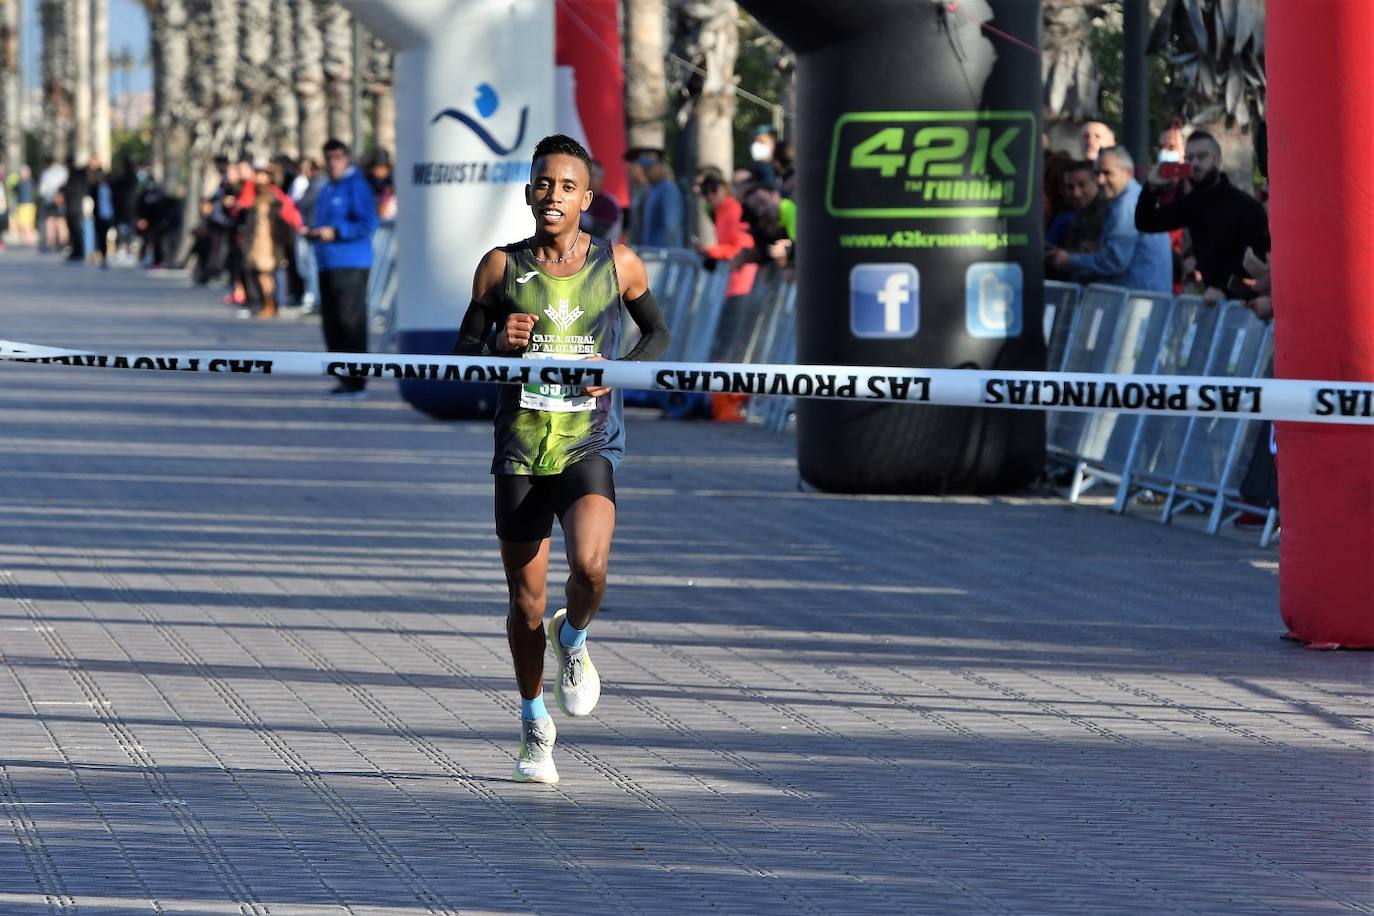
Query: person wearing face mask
(1171,142)
(1127,256)
(762,151)
(1221,219)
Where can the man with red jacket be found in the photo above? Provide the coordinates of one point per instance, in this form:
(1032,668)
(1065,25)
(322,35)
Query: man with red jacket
(732,237)
(734,250)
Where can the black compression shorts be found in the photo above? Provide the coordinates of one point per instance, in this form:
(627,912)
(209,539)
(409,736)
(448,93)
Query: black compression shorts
(526,505)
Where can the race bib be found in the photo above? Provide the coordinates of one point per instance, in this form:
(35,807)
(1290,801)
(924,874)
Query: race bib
(556,398)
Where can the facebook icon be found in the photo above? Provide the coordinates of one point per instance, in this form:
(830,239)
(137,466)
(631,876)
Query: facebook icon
(884,300)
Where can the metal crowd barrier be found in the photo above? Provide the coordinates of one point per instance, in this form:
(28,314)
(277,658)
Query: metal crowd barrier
(381,288)
(758,329)
(1184,463)
(1188,463)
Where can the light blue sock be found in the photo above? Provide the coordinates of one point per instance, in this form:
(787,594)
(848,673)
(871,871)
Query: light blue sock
(570,635)
(533,709)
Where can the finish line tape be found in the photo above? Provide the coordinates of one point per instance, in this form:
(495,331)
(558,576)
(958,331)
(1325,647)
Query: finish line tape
(1167,395)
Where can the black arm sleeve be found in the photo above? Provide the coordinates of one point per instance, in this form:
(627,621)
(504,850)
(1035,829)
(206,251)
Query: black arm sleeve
(653,330)
(474,331)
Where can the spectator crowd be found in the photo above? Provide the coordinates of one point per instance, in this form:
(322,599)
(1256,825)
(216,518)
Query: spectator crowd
(1172,226)
(737,222)
(275,233)
(250,231)
(1177,224)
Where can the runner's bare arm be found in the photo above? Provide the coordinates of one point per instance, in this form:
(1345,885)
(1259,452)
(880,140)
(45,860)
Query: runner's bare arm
(634,280)
(640,303)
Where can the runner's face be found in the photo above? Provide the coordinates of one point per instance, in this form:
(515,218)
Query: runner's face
(558,192)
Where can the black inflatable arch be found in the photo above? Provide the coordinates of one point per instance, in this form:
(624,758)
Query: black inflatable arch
(919,230)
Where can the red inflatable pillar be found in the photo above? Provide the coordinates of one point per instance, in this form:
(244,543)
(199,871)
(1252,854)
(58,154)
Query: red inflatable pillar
(588,42)
(1321,215)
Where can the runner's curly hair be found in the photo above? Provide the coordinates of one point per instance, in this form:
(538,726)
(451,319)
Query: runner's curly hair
(561,144)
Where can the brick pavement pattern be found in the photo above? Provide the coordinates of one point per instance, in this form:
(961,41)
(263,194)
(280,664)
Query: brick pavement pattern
(254,662)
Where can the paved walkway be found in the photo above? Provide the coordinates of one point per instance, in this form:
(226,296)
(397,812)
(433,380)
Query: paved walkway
(254,661)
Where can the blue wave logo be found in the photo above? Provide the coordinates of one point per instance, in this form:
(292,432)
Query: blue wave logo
(487,103)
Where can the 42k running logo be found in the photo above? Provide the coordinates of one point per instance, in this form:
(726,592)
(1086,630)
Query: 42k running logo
(562,315)
(931,164)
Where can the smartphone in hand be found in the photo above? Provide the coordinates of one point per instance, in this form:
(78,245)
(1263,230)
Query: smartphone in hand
(1240,288)
(1175,171)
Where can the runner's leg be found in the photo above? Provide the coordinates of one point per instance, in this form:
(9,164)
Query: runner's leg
(527,568)
(588,524)
(524,525)
(587,529)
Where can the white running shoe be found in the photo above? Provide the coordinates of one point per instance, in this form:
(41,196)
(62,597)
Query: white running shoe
(579,686)
(535,763)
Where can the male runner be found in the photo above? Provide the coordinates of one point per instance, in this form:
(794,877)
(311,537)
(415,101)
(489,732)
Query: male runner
(557,295)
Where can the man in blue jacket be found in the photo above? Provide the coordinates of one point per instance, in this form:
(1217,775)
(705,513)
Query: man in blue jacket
(1126,257)
(345,218)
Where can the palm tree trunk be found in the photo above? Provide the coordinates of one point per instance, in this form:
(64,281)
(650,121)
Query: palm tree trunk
(201,89)
(384,121)
(200,103)
(11,117)
(80,13)
(337,27)
(787,98)
(100,81)
(1072,84)
(381,81)
(646,93)
(285,135)
(170,121)
(252,77)
(224,42)
(714,47)
(157,31)
(57,94)
(314,125)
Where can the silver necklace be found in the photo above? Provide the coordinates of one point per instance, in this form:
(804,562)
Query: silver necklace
(566,254)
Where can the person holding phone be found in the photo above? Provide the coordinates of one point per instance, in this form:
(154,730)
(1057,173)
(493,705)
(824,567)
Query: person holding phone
(1221,219)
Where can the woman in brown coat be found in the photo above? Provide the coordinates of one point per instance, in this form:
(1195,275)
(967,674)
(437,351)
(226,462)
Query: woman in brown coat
(270,221)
